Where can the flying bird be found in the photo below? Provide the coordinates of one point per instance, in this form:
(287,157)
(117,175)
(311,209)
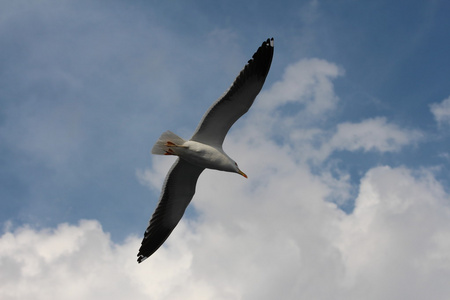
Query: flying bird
(203,150)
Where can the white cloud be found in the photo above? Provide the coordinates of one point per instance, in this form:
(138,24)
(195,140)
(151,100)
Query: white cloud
(69,262)
(396,241)
(375,134)
(308,83)
(372,135)
(441,111)
(255,241)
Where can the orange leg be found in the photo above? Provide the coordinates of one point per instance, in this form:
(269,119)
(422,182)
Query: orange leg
(169,152)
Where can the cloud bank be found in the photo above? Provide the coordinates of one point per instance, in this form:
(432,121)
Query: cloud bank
(252,243)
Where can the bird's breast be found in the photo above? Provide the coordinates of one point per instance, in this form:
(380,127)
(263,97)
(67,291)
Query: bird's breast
(203,155)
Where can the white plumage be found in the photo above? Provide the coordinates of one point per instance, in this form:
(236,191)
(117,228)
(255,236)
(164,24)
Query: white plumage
(203,150)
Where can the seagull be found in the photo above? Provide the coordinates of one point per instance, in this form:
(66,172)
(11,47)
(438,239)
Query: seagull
(203,150)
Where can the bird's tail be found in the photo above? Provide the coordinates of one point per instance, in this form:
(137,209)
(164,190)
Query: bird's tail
(167,140)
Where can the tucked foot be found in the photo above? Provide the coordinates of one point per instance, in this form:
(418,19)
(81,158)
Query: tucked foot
(169,151)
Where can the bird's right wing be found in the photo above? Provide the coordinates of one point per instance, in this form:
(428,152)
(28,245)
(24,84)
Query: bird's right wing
(177,192)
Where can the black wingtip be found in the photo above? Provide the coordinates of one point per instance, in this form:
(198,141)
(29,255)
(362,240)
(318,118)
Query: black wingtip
(141,258)
(263,57)
(257,66)
(266,47)
(268,43)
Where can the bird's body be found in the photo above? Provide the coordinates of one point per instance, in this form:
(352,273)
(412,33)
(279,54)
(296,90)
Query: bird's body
(199,154)
(203,150)
(205,156)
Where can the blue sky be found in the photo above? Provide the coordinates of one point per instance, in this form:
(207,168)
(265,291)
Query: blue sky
(349,133)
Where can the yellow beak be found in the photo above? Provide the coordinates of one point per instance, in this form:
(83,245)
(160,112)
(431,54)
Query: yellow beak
(243,174)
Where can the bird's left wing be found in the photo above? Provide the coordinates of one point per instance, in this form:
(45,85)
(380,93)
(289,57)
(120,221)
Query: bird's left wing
(237,100)
(178,190)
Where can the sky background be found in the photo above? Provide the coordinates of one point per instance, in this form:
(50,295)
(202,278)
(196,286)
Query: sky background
(346,149)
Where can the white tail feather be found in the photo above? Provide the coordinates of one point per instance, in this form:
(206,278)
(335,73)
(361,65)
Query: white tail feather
(161,147)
